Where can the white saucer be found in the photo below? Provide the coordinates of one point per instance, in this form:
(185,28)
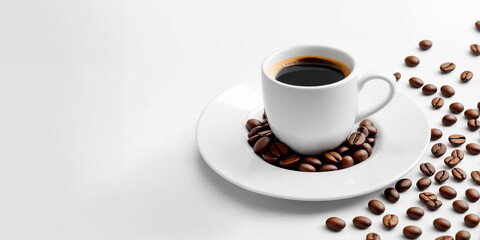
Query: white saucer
(222,141)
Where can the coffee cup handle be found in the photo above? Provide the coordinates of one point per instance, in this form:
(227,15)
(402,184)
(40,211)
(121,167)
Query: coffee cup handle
(377,107)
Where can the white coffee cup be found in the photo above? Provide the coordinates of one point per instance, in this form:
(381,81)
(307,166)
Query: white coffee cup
(313,119)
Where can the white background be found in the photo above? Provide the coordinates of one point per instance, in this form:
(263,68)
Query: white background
(99,101)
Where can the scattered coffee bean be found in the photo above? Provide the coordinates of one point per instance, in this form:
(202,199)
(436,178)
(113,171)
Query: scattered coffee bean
(305,167)
(472,195)
(445,237)
(460,206)
(251,123)
(343,150)
(425,44)
(458,153)
(427,196)
(457,139)
(270,158)
(403,185)
(261,145)
(447,90)
(466,76)
(363,130)
(412,232)
(472,220)
(473,124)
(471,114)
(376,207)
(447,192)
(258,129)
(290,161)
(390,221)
(459,174)
(332,157)
(462,235)
(478,105)
(447,67)
(475,176)
(475,48)
(423,183)
(397,76)
(368,148)
(477,25)
(412,61)
(449,120)
(456,107)
(356,139)
(371,141)
(438,150)
(278,149)
(473,148)
(433,204)
(415,82)
(427,168)
(415,213)
(312,161)
(442,224)
(366,122)
(360,155)
(442,176)
(335,224)
(373,236)
(372,130)
(327,167)
(437,102)
(362,222)
(429,89)
(451,161)
(347,161)
(392,195)
(435,134)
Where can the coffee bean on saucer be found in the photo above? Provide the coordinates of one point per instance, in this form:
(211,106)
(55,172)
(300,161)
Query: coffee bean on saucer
(258,129)
(403,185)
(360,155)
(415,82)
(251,123)
(435,134)
(269,157)
(397,76)
(475,176)
(290,161)
(473,124)
(456,107)
(278,149)
(458,154)
(312,161)
(371,141)
(264,116)
(332,157)
(471,114)
(366,122)
(368,148)
(427,168)
(427,196)
(457,139)
(475,48)
(433,204)
(373,236)
(442,224)
(412,232)
(473,148)
(460,206)
(472,220)
(415,213)
(451,161)
(363,130)
(466,76)
(376,207)
(459,174)
(447,67)
(442,176)
(305,167)
(445,237)
(327,168)
(478,105)
(252,140)
(343,150)
(412,61)
(429,89)
(362,222)
(347,161)
(392,195)
(390,221)
(423,183)
(425,44)
(462,235)
(472,195)
(372,130)
(356,139)
(438,149)
(261,145)
(437,102)
(449,120)
(447,90)
(447,192)
(335,224)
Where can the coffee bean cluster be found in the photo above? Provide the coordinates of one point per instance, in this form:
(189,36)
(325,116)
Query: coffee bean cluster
(355,149)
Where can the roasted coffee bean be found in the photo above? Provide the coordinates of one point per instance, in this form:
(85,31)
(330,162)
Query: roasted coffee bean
(456,107)
(475,48)
(251,123)
(458,153)
(457,139)
(460,206)
(332,157)
(371,141)
(360,155)
(269,157)
(462,235)
(415,82)
(442,224)
(425,44)
(261,145)
(447,67)
(327,168)
(442,176)
(363,130)
(449,120)
(266,133)
(473,124)
(451,161)
(376,207)
(258,129)
(471,114)
(475,176)
(252,140)
(397,76)
(423,183)
(429,89)
(472,220)
(343,150)
(477,25)
(472,195)
(478,105)
(373,236)
(362,222)
(412,232)
(427,168)
(415,213)
(392,195)
(356,139)
(403,185)
(427,196)
(366,122)
(278,149)
(312,161)
(437,102)
(412,61)
(335,224)
(473,148)
(447,90)
(438,149)
(305,167)
(347,161)
(446,237)
(435,134)
(466,76)
(447,192)
(368,148)
(459,174)
(372,130)
(290,161)
(390,221)
(433,204)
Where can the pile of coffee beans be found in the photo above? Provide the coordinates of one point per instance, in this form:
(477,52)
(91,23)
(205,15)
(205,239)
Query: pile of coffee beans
(355,149)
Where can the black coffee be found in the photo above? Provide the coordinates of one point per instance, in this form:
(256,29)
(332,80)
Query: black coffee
(310,71)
